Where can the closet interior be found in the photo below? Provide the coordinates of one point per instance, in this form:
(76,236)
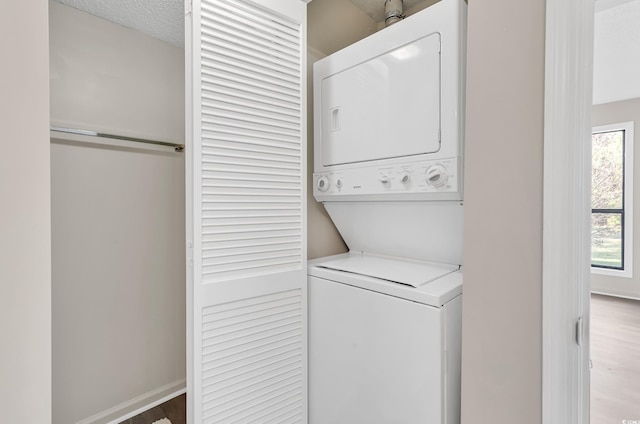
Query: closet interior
(118,224)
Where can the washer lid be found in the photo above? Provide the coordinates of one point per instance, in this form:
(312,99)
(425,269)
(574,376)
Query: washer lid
(431,284)
(411,273)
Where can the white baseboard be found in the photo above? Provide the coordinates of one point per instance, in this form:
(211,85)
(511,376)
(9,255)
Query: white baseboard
(137,405)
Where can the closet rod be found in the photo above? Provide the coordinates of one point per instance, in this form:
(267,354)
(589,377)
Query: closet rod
(177,147)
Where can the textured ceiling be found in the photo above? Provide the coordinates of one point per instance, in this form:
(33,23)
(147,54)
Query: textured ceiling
(375,8)
(162,19)
(616,56)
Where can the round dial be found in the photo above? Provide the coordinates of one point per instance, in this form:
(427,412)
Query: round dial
(339,182)
(323,184)
(405,178)
(437,176)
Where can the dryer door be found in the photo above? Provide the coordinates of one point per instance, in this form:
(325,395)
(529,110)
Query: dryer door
(385,107)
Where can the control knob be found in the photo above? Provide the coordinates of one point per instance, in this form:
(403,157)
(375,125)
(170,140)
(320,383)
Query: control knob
(405,177)
(437,176)
(323,184)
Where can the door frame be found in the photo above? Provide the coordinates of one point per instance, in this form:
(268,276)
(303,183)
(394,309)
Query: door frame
(568,97)
(566,218)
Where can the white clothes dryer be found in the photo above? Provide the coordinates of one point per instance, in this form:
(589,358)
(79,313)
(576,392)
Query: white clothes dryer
(384,341)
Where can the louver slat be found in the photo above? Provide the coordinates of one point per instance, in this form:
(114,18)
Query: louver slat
(271,26)
(222,49)
(250,322)
(232,105)
(252,360)
(258,100)
(231,65)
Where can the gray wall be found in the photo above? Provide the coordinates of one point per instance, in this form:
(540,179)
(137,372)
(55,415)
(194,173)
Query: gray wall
(323,238)
(25,244)
(612,113)
(335,24)
(117,220)
(332,25)
(502,321)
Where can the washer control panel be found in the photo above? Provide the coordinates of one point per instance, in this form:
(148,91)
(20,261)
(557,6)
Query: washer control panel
(425,180)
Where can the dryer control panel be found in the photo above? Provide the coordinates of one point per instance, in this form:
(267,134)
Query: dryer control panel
(437,179)
(389,112)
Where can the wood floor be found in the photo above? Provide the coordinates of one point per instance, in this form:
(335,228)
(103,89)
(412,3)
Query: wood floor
(175,410)
(615,353)
(615,376)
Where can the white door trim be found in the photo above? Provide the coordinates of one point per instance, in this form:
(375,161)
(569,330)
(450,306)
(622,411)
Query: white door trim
(566,218)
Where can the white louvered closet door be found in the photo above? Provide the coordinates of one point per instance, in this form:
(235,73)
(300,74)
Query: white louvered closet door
(246,132)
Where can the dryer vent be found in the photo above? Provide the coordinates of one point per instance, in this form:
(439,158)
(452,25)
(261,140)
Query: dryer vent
(392,12)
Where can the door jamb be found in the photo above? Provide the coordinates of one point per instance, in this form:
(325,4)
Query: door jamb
(566,218)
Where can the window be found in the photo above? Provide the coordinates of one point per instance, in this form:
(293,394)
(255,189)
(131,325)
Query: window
(611,199)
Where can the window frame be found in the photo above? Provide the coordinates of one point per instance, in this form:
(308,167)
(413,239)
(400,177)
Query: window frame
(627,200)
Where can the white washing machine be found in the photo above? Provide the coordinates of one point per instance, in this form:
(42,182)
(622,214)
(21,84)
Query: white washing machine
(384,341)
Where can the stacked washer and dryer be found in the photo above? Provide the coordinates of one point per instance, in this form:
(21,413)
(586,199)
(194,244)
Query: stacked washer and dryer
(385,318)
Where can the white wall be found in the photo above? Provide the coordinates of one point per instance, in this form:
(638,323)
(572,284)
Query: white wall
(616,39)
(502,321)
(117,220)
(613,113)
(110,78)
(118,277)
(25,244)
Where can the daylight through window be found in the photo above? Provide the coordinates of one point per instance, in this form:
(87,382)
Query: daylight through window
(610,217)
